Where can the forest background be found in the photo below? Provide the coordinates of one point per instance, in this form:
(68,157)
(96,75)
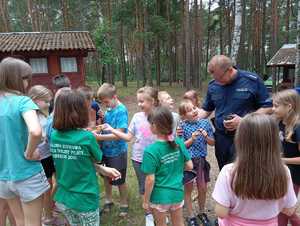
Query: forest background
(154,41)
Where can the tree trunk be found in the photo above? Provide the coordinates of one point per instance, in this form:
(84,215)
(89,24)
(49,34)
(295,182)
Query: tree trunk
(221,8)
(157,49)
(122,56)
(287,20)
(139,43)
(65,15)
(274,40)
(33,12)
(237,30)
(297,65)
(240,61)
(147,55)
(4,17)
(187,44)
(257,36)
(197,41)
(208,39)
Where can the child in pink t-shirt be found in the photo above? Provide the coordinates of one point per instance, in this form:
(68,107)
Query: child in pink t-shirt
(257,186)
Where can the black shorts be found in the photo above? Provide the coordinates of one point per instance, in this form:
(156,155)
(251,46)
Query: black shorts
(118,162)
(48,166)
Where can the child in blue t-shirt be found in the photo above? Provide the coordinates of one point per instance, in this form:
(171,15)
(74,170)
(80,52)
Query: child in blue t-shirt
(114,149)
(197,133)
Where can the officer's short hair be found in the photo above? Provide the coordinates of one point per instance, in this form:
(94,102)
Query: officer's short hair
(221,61)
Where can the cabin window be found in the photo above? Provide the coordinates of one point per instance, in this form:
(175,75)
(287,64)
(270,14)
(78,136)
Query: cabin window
(39,65)
(68,64)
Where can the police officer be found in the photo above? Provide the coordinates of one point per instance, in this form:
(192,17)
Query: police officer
(232,94)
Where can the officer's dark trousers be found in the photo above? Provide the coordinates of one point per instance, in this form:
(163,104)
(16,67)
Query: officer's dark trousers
(224,148)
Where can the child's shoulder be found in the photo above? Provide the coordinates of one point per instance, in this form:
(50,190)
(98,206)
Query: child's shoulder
(122,107)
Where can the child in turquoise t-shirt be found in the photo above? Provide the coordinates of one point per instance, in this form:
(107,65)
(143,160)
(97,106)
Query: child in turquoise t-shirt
(74,151)
(163,163)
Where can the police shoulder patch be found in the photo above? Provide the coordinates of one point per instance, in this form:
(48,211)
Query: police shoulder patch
(251,76)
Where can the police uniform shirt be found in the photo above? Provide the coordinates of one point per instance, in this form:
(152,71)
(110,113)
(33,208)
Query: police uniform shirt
(246,93)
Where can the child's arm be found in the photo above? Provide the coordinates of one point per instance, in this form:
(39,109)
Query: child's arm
(210,140)
(188,165)
(110,136)
(293,161)
(119,133)
(108,171)
(288,211)
(34,131)
(190,141)
(149,183)
(221,211)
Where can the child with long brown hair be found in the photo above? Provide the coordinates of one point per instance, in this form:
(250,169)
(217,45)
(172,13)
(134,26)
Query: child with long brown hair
(257,186)
(163,163)
(286,108)
(74,151)
(22,181)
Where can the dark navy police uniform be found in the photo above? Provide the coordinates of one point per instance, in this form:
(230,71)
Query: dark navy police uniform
(246,93)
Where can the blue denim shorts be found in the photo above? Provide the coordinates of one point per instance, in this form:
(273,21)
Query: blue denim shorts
(27,190)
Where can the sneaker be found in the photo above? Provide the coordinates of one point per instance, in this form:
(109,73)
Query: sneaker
(204,219)
(216,222)
(149,220)
(192,221)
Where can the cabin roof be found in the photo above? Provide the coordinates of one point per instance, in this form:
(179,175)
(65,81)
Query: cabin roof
(46,41)
(285,56)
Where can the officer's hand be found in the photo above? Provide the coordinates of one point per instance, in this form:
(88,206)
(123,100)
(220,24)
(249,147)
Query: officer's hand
(233,123)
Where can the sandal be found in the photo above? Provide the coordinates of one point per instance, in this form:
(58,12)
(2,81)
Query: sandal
(123,211)
(107,207)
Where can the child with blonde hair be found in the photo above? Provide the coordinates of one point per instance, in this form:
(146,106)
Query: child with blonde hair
(286,108)
(166,100)
(139,131)
(257,186)
(42,97)
(197,133)
(114,148)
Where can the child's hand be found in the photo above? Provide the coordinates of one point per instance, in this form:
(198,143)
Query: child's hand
(203,132)
(146,206)
(108,172)
(195,135)
(35,155)
(107,127)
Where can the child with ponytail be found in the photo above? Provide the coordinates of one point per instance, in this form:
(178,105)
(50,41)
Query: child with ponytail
(163,163)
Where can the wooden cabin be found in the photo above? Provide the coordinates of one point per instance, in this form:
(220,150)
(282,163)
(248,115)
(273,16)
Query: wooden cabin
(284,62)
(50,53)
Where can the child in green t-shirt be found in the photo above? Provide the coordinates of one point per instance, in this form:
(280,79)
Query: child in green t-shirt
(163,163)
(74,151)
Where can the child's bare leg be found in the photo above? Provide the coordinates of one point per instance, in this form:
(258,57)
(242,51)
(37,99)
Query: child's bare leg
(17,211)
(3,211)
(10,216)
(159,217)
(177,217)
(188,188)
(47,202)
(33,211)
(108,190)
(123,194)
(202,189)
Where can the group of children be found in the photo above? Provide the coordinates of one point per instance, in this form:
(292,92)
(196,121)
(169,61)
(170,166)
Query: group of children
(79,141)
